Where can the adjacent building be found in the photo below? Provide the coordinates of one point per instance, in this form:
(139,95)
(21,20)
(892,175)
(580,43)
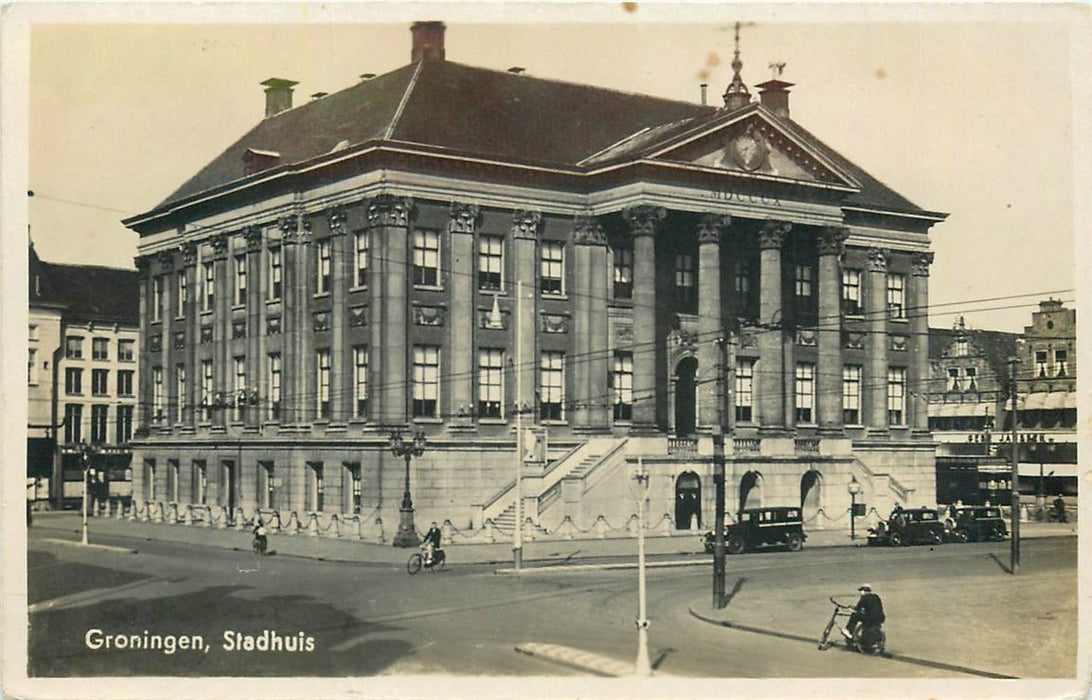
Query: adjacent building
(83,342)
(455,251)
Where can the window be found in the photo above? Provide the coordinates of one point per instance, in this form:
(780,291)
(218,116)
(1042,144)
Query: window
(172,480)
(622,382)
(100,378)
(684,277)
(851,292)
(953,379)
(32,331)
(98,424)
(315,495)
(73,381)
(805,393)
(552,267)
(125,351)
(552,386)
(73,347)
(355,500)
(322,268)
(208,286)
(183,294)
(803,281)
(238,386)
(240,279)
(157,298)
(1061,367)
(742,278)
(623,273)
(490,382)
(157,393)
(323,367)
(360,381)
(1041,364)
(267,489)
(896,396)
(32,366)
(180,390)
(274,366)
(100,349)
(851,394)
(960,348)
(73,417)
(895,291)
(361,258)
(426,258)
(200,482)
(124,424)
(745,386)
(426,380)
(972,375)
(275,273)
(206,388)
(125,382)
(490,262)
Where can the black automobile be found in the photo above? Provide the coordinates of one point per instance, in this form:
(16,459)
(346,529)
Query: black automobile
(980,524)
(908,526)
(758,527)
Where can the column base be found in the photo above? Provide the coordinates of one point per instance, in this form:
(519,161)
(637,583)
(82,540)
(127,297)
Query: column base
(831,431)
(645,430)
(773,431)
(407,531)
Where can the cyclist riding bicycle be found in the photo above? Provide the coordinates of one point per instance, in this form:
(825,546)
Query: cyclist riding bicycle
(868,612)
(431,543)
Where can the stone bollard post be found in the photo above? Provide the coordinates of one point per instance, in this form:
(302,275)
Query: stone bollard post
(447,530)
(335,525)
(601,527)
(240,519)
(312,525)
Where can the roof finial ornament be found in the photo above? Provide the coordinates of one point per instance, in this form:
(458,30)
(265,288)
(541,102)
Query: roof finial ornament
(736,95)
(776,69)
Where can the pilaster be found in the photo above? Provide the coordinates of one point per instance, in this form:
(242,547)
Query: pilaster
(291,292)
(462,227)
(221,324)
(526,227)
(389,218)
(643,222)
(829,384)
(710,322)
(340,276)
(255,307)
(919,333)
(876,343)
(772,392)
(189,254)
(590,328)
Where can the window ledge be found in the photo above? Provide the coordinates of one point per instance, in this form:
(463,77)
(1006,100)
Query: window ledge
(426,420)
(555,422)
(899,320)
(359,288)
(428,287)
(493,421)
(321,295)
(557,297)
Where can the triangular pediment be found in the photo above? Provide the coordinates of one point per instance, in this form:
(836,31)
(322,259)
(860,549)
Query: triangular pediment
(753,143)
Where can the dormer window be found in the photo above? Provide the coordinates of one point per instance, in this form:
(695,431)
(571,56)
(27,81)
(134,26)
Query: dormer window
(256,160)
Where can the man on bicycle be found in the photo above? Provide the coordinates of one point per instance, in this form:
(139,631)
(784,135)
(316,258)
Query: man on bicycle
(431,543)
(869,611)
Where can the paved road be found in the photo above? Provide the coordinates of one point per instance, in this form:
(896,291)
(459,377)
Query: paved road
(372,619)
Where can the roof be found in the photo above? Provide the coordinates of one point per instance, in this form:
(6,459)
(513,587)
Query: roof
(997,346)
(496,114)
(86,291)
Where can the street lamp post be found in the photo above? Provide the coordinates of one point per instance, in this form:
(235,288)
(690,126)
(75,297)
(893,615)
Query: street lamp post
(407,531)
(85,462)
(854,489)
(643,666)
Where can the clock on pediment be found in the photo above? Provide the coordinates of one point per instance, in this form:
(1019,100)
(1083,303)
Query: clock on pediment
(749,150)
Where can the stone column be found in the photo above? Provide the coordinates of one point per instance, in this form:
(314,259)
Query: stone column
(919,340)
(772,392)
(710,322)
(290,298)
(221,326)
(591,367)
(829,384)
(144,358)
(340,274)
(526,226)
(306,383)
(875,378)
(252,413)
(460,336)
(193,334)
(165,265)
(643,221)
(389,219)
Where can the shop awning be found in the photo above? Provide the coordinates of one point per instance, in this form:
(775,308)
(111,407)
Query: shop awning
(1070,400)
(1069,471)
(1035,401)
(1055,400)
(1020,401)
(964,410)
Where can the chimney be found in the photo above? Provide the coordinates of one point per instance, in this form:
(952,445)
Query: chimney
(704,93)
(278,95)
(318,96)
(774,96)
(428,41)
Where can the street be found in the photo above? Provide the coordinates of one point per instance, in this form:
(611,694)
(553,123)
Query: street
(949,613)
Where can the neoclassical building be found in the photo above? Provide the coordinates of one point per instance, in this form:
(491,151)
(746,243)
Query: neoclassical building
(453,250)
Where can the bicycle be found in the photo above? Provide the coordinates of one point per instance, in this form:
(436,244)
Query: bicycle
(417,562)
(866,639)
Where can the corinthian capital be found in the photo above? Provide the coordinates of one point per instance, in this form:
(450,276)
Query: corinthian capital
(165,258)
(878,259)
(253,236)
(711,226)
(464,217)
(390,210)
(336,217)
(643,219)
(832,240)
(219,244)
(920,262)
(587,231)
(526,223)
(188,250)
(773,234)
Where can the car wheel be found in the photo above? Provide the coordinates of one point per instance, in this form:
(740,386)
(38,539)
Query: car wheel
(795,542)
(937,538)
(896,539)
(735,544)
(961,536)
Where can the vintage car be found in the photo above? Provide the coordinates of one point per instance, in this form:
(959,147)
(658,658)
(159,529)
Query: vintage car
(908,526)
(757,527)
(979,523)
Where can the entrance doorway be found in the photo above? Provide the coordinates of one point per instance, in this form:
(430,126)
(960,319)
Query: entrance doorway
(229,486)
(685,398)
(811,492)
(687,501)
(750,490)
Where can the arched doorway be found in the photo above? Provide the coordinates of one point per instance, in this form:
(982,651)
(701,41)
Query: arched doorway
(685,398)
(750,490)
(811,492)
(687,500)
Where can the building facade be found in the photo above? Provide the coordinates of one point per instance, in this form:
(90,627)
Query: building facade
(82,378)
(603,268)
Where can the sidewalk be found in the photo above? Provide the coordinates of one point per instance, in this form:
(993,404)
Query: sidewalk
(684,545)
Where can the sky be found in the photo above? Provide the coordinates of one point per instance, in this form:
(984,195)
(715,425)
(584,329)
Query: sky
(965,112)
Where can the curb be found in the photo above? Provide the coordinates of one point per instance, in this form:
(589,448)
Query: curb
(106,547)
(552,568)
(577,658)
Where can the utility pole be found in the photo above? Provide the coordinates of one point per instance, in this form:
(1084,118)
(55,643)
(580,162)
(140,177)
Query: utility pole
(718,475)
(642,667)
(85,462)
(517,544)
(1014,553)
